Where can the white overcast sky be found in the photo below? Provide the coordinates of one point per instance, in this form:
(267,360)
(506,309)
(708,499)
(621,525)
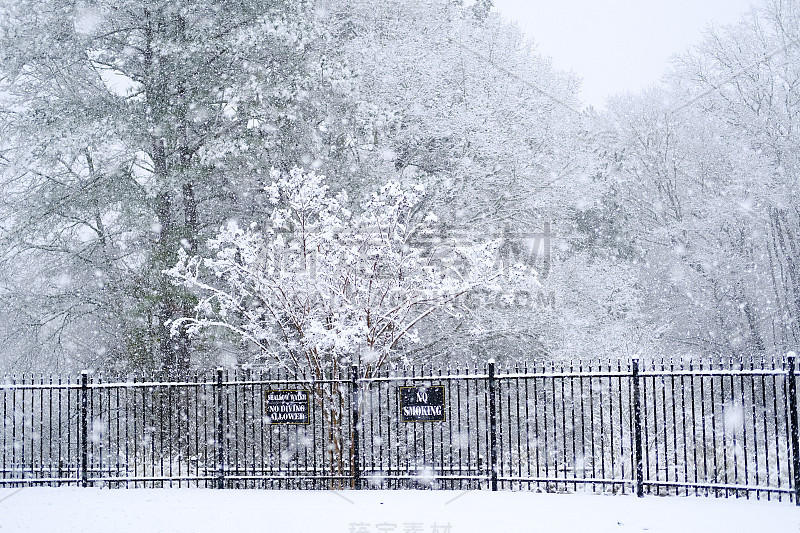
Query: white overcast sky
(617,45)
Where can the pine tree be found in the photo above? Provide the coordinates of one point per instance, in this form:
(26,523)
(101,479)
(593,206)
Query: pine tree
(132,127)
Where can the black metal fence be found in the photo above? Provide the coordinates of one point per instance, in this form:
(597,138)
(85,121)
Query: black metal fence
(723,428)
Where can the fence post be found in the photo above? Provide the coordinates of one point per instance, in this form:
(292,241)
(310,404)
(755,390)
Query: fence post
(790,359)
(354,419)
(220,433)
(637,428)
(492,427)
(84,429)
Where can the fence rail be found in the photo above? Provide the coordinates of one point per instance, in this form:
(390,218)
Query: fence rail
(724,428)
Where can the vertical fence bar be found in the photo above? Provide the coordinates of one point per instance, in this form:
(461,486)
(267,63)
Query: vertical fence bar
(637,428)
(21,443)
(4,471)
(84,438)
(354,419)
(790,359)
(492,427)
(220,433)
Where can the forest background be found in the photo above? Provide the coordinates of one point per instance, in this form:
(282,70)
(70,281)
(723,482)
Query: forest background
(462,176)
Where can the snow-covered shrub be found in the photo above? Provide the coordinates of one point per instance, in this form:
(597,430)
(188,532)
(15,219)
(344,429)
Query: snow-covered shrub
(323,287)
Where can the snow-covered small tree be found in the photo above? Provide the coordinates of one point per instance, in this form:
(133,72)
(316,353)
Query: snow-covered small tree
(319,287)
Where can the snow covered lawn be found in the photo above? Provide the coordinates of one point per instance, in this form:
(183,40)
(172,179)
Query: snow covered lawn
(144,510)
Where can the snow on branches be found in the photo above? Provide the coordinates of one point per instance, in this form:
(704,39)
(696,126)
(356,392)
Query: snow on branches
(320,286)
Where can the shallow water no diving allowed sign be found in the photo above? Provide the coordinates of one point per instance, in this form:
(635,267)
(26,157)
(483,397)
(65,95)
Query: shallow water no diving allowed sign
(287,406)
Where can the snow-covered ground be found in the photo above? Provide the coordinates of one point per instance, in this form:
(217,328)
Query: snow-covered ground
(74,509)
